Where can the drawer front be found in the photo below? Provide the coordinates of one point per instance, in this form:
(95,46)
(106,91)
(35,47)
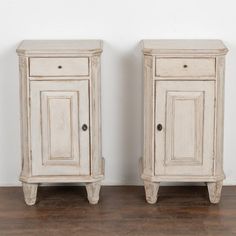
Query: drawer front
(184,67)
(59,66)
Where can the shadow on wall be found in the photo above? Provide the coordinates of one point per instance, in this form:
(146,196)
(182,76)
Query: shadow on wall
(132,114)
(122,116)
(9,120)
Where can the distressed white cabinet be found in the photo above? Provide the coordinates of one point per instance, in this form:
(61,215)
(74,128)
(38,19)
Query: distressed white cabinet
(183,114)
(60,114)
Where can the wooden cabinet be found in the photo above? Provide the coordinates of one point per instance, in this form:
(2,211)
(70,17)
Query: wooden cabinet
(183,114)
(60,115)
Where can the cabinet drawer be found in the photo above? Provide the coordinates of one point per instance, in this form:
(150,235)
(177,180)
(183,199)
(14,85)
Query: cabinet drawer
(183,67)
(59,66)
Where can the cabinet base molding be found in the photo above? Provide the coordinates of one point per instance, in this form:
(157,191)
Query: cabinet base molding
(92,183)
(214,190)
(30,193)
(61,179)
(177,178)
(93,190)
(152,183)
(151,190)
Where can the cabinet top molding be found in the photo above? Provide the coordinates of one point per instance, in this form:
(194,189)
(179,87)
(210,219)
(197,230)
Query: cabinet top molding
(57,47)
(183,46)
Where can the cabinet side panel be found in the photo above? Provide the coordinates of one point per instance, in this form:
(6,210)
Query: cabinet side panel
(24,116)
(148,155)
(219,120)
(95,116)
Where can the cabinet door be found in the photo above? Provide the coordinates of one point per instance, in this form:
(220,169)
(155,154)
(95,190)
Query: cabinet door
(185,110)
(58,111)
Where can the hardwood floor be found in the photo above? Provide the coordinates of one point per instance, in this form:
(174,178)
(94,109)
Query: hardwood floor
(121,211)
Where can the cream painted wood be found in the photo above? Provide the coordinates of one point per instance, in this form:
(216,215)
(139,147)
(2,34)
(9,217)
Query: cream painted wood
(58,48)
(149,110)
(186,111)
(59,66)
(93,190)
(97,164)
(60,115)
(214,189)
(183,114)
(179,47)
(30,193)
(185,67)
(58,112)
(151,191)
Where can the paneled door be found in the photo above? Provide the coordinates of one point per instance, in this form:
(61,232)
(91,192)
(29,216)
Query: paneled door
(184,127)
(60,127)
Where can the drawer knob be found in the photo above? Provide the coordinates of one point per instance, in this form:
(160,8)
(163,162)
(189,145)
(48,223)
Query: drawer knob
(185,66)
(84,127)
(59,67)
(159,127)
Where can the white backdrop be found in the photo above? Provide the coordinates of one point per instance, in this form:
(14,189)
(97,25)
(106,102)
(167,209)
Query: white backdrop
(121,24)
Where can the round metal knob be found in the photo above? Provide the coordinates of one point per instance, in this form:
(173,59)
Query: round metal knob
(159,127)
(185,66)
(59,67)
(84,127)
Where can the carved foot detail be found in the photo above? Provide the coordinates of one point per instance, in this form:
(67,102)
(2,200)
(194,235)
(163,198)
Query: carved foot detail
(151,191)
(30,193)
(93,190)
(214,190)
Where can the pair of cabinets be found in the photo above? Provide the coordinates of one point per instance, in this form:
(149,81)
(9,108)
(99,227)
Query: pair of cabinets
(60,114)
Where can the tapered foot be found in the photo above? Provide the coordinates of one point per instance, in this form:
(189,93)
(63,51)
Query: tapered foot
(151,191)
(93,190)
(30,193)
(214,190)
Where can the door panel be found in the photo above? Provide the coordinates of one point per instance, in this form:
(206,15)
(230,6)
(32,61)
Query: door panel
(186,111)
(58,111)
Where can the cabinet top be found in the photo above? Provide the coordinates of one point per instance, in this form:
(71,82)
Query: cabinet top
(35,47)
(184,46)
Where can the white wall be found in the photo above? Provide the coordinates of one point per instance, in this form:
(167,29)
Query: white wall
(121,23)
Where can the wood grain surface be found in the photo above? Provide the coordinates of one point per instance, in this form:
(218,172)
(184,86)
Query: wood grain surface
(64,210)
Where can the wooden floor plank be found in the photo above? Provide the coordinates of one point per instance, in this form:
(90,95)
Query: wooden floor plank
(64,210)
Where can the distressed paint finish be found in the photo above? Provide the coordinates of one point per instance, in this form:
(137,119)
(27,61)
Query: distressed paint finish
(24,117)
(219,113)
(30,193)
(186,111)
(214,189)
(188,76)
(59,93)
(187,67)
(93,190)
(59,67)
(148,160)
(95,118)
(151,191)
(52,122)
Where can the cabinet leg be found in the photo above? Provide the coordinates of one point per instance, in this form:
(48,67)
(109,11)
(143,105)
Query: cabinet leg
(93,190)
(151,191)
(30,193)
(214,190)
